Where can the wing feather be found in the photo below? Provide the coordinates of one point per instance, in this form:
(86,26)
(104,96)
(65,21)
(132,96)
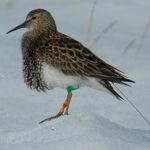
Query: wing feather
(72,58)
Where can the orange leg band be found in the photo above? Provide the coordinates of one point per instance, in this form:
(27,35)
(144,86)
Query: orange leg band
(64,106)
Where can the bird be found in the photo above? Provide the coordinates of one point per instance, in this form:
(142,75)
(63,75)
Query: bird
(52,59)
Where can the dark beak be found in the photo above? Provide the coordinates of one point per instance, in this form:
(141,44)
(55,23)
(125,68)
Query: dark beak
(18,27)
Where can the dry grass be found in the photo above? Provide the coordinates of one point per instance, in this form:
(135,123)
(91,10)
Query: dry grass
(128,47)
(96,40)
(90,23)
(141,41)
(10,3)
(144,34)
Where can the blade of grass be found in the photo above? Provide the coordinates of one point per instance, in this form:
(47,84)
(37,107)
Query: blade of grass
(128,47)
(96,40)
(140,46)
(90,23)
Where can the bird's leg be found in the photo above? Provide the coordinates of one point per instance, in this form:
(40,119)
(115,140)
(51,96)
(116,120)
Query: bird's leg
(69,96)
(68,100)
(66,104)
(63,109)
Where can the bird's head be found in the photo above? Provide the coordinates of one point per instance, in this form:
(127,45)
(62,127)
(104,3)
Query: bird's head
(38,20)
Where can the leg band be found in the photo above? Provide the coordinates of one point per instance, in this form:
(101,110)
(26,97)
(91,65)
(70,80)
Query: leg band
(71,88)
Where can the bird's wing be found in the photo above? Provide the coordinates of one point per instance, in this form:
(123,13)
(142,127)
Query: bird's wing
(72,58)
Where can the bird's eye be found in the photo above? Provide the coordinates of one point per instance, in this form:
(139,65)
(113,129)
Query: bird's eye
(33,18)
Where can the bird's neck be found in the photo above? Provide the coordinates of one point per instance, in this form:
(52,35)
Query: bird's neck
(39,32)
(35,35)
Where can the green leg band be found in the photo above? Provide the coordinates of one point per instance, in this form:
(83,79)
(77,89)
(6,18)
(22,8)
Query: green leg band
(71,88)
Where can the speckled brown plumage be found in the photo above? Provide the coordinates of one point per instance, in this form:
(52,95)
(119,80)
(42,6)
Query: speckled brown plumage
(72,58)
(52,59)
(44,44)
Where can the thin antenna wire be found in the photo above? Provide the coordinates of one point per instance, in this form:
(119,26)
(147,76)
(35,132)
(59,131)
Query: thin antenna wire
(89,29)
(137,110)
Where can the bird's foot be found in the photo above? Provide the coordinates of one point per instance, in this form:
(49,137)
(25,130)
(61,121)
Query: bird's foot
(63,111)
(52,117)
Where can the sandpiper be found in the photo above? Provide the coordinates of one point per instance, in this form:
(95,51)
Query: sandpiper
(52,59)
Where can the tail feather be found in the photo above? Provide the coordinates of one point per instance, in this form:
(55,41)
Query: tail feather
(108,86)
(122,83)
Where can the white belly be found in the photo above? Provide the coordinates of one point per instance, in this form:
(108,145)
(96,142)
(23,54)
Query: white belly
(55,78)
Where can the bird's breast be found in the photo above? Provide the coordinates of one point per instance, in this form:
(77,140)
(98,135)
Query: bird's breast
(53,77)
(33,75)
